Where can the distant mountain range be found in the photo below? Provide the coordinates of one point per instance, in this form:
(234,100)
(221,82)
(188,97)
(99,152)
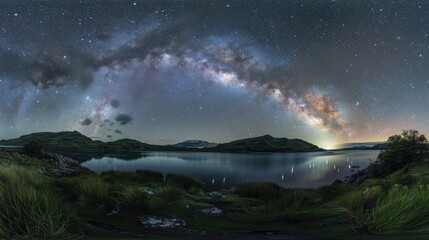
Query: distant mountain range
(75,144)
(364,146)
(194,144)
(361,145)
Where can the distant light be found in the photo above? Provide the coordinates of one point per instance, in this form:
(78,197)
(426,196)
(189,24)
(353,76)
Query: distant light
(16,14)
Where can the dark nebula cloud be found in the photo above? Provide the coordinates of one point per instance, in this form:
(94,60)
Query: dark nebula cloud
(115,103)
(123,119)
(107,121)
(52,69)
(118,131)
(86,122)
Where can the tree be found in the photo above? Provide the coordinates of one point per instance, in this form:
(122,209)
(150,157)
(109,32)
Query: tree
(402,150)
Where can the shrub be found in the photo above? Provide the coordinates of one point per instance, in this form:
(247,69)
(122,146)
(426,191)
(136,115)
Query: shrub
(140,176)
(299,198)
(263,191)
(33,148)
(150,176)
(185,182)
(402,150)
(332,191)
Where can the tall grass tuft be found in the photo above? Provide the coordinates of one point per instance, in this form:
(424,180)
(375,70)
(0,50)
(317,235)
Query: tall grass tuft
(28,206)
(93,191)
(134,197)
(149,176)
(187,183)
(358,206)
(402,210)
(166,196)
(263,191)
(299,199)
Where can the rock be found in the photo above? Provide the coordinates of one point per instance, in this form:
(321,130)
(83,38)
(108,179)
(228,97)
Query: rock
(216,194)
(148,190)
(115,210)
(214,211)
(161,222)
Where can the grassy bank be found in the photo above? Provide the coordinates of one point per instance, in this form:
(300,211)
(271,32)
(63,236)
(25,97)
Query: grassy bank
(36,203)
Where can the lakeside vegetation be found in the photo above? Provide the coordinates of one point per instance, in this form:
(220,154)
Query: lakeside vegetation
(387,199)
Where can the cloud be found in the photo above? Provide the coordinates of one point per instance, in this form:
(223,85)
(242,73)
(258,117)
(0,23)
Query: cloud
(107,121)
(123,119)
(52,69)
(118,131)
(115,103)
(86,122)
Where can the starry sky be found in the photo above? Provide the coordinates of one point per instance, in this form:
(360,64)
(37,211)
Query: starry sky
(161,72)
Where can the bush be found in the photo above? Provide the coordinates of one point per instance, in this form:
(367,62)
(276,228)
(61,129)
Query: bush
(33,148)
(331,192)
(299,198)
(184,182)
(140,176)
(402,150)
(28,206)
(149,176)
(262,191)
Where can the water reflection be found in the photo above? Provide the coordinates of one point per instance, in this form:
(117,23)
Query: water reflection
(221,170)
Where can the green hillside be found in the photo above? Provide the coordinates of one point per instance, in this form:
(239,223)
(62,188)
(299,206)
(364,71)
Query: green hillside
(80,147)
(267,143)
(77,145)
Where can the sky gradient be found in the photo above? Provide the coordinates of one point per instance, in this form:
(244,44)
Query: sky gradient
(162,72)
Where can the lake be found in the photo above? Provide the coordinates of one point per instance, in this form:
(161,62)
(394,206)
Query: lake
(223,170)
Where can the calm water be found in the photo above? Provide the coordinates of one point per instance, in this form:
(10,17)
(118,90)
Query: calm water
(222,170)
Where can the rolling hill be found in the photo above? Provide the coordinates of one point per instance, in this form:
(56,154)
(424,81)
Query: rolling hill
(81,147)
(267,143)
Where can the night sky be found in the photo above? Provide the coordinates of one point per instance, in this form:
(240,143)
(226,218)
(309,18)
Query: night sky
(166,71)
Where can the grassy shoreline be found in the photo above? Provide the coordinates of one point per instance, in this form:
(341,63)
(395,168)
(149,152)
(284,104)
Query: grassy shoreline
(59,204)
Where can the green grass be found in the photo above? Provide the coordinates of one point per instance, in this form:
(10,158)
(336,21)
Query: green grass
(402,210)
(29,207)
(93,191)
(133,197)
(166,196)
(185,182)
(263,191)
(29,195)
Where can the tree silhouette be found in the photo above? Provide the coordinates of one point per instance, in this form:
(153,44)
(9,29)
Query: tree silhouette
(402,149)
